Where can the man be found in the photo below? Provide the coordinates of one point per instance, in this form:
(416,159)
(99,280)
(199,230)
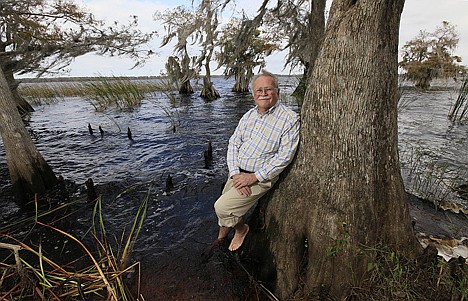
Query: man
(262,145)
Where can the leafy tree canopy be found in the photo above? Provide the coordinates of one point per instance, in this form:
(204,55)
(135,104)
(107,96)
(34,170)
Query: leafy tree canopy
(431,55)
(240,58)
(38,36)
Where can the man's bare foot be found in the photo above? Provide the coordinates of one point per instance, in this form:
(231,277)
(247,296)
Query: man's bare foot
(238,238)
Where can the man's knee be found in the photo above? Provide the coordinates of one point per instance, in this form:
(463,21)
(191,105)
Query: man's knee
(219,208)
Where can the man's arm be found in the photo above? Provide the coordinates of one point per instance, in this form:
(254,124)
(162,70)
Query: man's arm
(233,150)
(285,154)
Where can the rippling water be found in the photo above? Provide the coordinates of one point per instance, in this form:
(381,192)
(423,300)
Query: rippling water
(60,132)
(432,149)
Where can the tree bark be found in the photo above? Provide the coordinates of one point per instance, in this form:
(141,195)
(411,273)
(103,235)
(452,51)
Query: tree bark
(8,70)
(242,77)
(29,172)
(208,92)
(186,88)
(344,191)
(23,106)
(316,29)
(187,74)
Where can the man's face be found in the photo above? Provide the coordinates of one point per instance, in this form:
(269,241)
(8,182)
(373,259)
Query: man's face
(265,93)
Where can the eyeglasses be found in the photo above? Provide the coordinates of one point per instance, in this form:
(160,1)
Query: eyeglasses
(264,90)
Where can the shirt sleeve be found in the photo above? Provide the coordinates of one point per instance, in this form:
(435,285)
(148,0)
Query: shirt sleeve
(285,154)
(235,143)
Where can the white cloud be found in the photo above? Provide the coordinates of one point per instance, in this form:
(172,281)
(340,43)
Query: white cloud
(428,14)
(417,15)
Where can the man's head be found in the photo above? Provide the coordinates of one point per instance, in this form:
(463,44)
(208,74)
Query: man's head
(265,90)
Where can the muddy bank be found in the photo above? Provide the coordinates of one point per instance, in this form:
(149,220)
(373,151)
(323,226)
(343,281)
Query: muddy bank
(437,222)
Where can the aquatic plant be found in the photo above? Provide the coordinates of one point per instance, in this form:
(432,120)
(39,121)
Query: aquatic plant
(168,88)
(102,92)
(173,115)
(118,92)
(38,93)
(429,178)
(402,99)
(459,110)
(45,279)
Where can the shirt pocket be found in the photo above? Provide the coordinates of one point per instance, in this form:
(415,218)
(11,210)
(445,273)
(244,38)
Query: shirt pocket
(261,146)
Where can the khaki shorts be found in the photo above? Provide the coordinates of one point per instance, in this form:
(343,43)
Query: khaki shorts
(231,206)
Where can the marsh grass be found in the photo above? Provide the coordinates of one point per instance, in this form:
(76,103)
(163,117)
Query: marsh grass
(116,92)
(101,92)
(40,277)
(429,178)
(104,93)
(459,110)
(403,101)
(392,276)
(40,93)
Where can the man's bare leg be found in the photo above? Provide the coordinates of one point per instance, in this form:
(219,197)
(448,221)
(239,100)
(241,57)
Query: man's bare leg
(238,239)
(223,232)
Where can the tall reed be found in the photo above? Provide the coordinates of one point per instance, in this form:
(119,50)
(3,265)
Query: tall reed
(118,92)
(403,101)
(429,178)
(48,280)
(38,93)
(460,104)
(102,92)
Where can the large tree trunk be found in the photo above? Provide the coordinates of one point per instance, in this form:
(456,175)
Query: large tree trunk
(8,67)
(22,105)
(186,87)
(209,91)
(242,77)
(344,191)
(29,172)
(316,21)
(187,74)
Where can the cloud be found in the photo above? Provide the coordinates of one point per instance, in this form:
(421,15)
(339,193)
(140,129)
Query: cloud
(417,15)
(428,14)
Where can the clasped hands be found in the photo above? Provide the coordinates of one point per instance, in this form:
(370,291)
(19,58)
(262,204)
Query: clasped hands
(243,181)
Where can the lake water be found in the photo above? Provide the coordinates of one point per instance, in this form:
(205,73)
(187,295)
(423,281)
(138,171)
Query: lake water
(432,151)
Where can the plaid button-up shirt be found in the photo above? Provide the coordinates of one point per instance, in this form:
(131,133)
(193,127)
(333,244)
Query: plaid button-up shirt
(264,144)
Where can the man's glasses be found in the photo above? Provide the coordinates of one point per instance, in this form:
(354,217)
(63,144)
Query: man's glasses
(264,90)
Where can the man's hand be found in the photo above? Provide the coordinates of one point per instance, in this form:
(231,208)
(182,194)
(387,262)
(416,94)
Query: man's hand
(243,181)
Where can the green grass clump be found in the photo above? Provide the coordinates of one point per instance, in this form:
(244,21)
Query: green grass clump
(459,110)
(36,276)
(102,92)
(392,276)
(39,93)
(117,92)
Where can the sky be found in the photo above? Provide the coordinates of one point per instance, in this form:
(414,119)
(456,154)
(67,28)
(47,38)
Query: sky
(417,15)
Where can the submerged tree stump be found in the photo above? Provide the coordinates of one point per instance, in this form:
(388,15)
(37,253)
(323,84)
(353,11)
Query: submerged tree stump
(90,190)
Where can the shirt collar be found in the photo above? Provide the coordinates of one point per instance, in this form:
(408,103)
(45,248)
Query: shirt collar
(270,110)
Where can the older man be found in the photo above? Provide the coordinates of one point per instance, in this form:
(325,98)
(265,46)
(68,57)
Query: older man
(262,145)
